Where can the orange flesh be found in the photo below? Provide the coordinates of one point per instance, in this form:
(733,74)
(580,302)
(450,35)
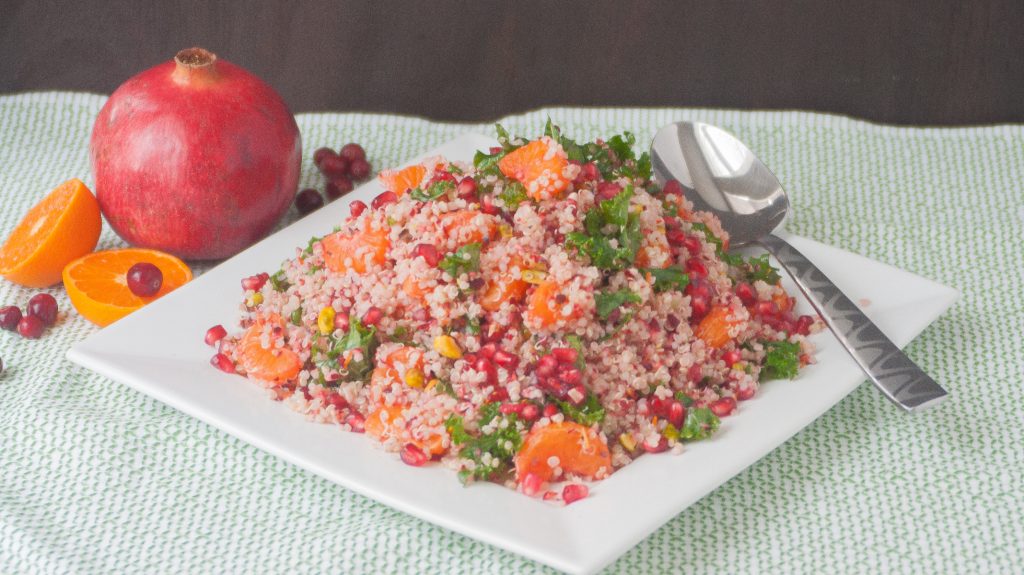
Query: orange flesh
(276,365)
(543,308)
(502,289)
(461,226)
(382,431)
(401,181)
(579,450)
(531,166)
(714,328)
(339,247)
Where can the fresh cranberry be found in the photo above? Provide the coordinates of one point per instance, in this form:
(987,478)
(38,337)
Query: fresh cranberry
(466,189)
(372,316)
(746,293)
(574,492)
(256,282)
(531,484)
(31,327)
(144,279)
(696,268)
(308,200)
(412,455)
(550,410)
(215,334)
(673,187)
(359,169)
(221,362)
(723,407)
(320,154)
(731,357)
(803,324)
(383,199)
(44,307)
(352,152)
(429,254)
(356,208)
(505,359)
(338,186)
(608,190)
(334,166)
(588,173)
(9,317)
(565,354)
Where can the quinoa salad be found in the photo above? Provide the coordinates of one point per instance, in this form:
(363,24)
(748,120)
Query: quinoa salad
(538,317)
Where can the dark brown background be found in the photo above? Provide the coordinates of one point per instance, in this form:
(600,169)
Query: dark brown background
(941,62)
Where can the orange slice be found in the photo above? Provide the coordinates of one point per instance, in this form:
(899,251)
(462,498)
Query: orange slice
(538,166)
(97,283)
(714,328)
(401,181)
(344,250)
(579,450)
(63,226)
(274,364)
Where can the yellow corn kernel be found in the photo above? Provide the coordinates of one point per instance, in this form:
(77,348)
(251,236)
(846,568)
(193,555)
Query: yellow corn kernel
(432,384)
(254,300)
(447,346)
(505,230)
(325,321)
(627,441)
(414,378)
(533,276)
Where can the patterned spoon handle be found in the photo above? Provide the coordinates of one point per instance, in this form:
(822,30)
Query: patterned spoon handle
(900,379)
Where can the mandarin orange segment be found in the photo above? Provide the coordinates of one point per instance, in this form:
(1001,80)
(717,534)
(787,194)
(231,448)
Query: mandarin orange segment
(544,308)
(64,226)
(579,449)
(344,251)
(503,288)
(468,226)
(714,328)
(538,166)
(97,283)
(401,181)
(274,364)
(381,430)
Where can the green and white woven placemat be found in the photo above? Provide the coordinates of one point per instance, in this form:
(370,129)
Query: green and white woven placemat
(96,478)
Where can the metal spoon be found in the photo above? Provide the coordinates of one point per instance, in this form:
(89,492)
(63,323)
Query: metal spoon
(720,175)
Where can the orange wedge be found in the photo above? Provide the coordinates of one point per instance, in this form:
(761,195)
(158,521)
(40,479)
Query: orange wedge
(97,284)
(579,450)
(401,181)
(63,226)
(277,364)
(538,166)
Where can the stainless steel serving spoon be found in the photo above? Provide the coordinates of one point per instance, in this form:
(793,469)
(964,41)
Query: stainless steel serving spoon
(720,175)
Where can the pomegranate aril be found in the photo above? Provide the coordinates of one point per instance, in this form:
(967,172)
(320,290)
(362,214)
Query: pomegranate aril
(673,187)
(466,189)
(356,422)
(530,412)
(372,316)
(412,455)
(359,169)
(696,268)
(765,308)
(803,324)
(572,376)
(31,327)
(338,186)
(383,199)
(658,447)
(505,359)
(9,317)
(144,279)
(356,208)
(695,372)
(221,362)
(352,152)
(546,366)
(588,173)
(676,414)
(336,400)
(608,190)
(308,200)
(574,492)
(320,154)
(256,282)
(508,408)
(746,293)
(334,166)
(215,334)
(487,206)
(531,484)
(550,410)
(731,357)
(745,393)
(341,321)
(565,354)
(422,314)
(487,350)
(692,245)
(698,288)
(700,307)
(429,254)
(676,237)
(485,366)
(44,307)
(723,407)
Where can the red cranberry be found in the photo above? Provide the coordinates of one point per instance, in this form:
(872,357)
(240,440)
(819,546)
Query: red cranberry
(320,154)
(352,152)
(574,492)
(505,359)
(255,283)
(466,189)
(550,410)
(429,254)
(9,317)
(341,321)
(384,199)
(215,334)
(531,484)
(221,362)
(723,407)
(565,354)
(696,268)
(356,208)
(608,190)
(31,327)
(731,357)
(338,186)
(530,412)
(144,279)
(673,187)
(334,166)
(44,307)
(412,455)
(588,173)
(372,316)
(803,324)
(359,169)
(746,293)
(308,200)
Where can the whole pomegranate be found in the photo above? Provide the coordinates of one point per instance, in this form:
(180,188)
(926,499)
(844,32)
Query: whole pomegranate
(196,157)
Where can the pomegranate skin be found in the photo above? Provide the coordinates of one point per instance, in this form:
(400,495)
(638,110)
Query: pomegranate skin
(196,157)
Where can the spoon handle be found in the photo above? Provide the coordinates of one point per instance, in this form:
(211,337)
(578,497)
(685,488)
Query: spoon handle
(899,378)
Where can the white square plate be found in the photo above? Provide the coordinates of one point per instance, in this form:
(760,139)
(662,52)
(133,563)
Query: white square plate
(159,351)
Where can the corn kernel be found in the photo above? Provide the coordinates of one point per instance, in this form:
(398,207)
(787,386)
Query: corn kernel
(325,321)
(447,346)
(414,378)
(627,441)
(533,276)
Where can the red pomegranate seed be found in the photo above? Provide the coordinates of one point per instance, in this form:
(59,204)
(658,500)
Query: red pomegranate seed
(588,173)
(698,288)
(608,190)
(731,357)
(215,334)
(485,366)
(572,376)
(695,372)
(469,358)
(422,314)
(466,189)
(341,321)
(383,199)
(531,484)
(700,307)
(487,206)
(746,393)
(320,154)
(546,366)
(255,283)
(221,362)
(692,245)
(550,410)
(565,354)
(803,324)
(574,492)
(338,187)
(44,307)
(550,495)
(505,359)
(508,408)
(530,412)
(676,413)
(498,395)
(429,254)
(765,308)
(696,268)
(352,152)
(356,422)
(336,400)
(746,293)
(658,447)
(144,279)
(487,350)
(308,201)
(676,237)
(722,407)
(372,316)
(673,187)
(9,317)
(359,170)
(334,166)
(412,455)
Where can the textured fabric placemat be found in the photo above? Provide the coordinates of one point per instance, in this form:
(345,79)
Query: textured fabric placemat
(97,478)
